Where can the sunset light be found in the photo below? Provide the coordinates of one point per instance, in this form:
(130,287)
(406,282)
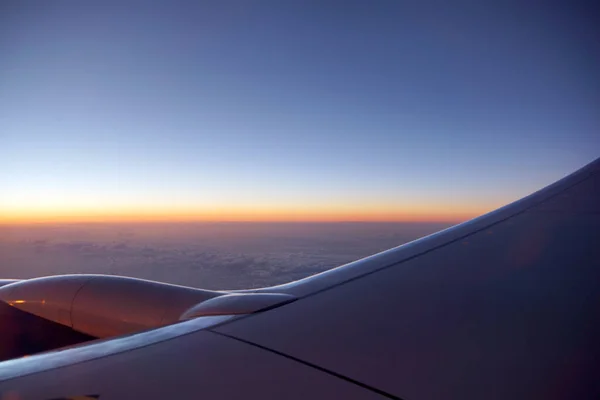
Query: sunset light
(224,116)
(299,199)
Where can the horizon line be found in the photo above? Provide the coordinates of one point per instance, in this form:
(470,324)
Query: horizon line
(112,221)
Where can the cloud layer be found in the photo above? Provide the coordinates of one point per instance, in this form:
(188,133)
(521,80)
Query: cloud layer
(205,255)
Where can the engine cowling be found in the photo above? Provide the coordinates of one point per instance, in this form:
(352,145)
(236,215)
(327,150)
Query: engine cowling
(103,305)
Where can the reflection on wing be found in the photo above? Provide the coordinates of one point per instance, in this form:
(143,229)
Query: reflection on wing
(505,306)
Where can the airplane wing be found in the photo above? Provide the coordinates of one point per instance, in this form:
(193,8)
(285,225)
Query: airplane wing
(505,306)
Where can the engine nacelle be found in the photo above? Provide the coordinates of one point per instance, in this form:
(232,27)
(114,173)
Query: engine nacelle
(103,305)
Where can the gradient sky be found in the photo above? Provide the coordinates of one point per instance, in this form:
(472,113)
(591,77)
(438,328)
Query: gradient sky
(245,110)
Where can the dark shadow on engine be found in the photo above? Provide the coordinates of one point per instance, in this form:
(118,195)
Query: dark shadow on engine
(24,334)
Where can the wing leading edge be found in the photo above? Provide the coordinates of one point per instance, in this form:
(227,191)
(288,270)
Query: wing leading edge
(505,306)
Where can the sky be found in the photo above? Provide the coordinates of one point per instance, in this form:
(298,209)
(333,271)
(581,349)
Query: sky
(290,111)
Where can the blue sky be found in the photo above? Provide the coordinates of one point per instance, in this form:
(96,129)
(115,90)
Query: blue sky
(321,105)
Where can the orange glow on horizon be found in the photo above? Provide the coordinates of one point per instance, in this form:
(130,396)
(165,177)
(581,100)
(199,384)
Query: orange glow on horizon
(267,214)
